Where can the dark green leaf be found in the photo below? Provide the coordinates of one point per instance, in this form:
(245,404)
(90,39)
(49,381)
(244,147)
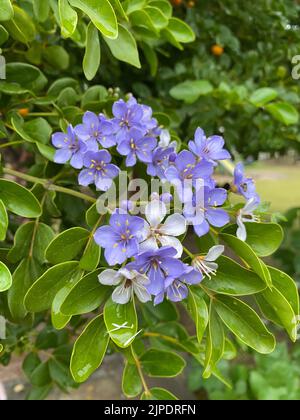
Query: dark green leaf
(160,364)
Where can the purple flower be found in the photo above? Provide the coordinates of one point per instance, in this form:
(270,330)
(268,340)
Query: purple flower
(96,130)
(243,185)
(176,290)
(160,162)
(69,147)
(127,115)
(203,210)
(186,171)
(136,146)
(211,148)
(100,171)
(121,238)
(160,266)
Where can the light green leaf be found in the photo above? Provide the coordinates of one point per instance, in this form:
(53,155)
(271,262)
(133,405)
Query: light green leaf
(89,350)
(101,14)
(158,18)
(21,26)
(181,31)
(163,5)
(131,381)
(199,312)
(162,364)
(287,287)
(124,48)
(3,221)
(68,18)
(31,240)
(123,316)
(118,7)
(271,233)
(86,296)
(6,10)
(91,256)
(277,309)
(3,35)
(244,322)
(215,343)
(19,200)
(246,253)
(41,10)
(284,112)
(159,394)
(42,293)
(67,245)
(234,280)
(262,96)
(5,278)
(191,90)
(92,56)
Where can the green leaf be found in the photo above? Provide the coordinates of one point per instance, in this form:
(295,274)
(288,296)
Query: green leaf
(3,35)
(199,312)
(25,76)
(3,221)
(215,343)
(67,245)
(37,130)
(191,90)
(181,31)
(21,26)
(163,5)
(162,364)
(41,376)
(41,10)
(124,47)
(86,296)
(42,293)
(57,57)
(31,240)
(91,256)
(39,393)
(165,312)
(89,350)
(131,381)
(60,374)
(158,18)
(121,322)
(6,10)
(92,56)
(118,7)
(287,287)
(233,279)
(271,233)
(151,58)
(60,320)
(68,18)
(5,278)
(101,14)
(284,112)
(46,151)
(19,200)
(24,276)
(30,363)
(159,394)
(246,253)
(244,322)
(277,309)
(262,96)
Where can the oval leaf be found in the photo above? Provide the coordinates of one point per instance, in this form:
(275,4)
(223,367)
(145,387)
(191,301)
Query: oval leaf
(3,221)
(244,323)
(5,278)
(89,350)
(162,364)
(92,56)
(19,200)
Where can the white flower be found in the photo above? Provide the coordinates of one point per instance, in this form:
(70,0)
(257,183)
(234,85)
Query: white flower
(128,282)
(245,215)
(206,265)
(165,140)
(163,233)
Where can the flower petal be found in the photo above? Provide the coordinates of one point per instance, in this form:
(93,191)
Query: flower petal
(214,253)
(122,294)
(172,242)
(110,277)
(175,225)
(155,212)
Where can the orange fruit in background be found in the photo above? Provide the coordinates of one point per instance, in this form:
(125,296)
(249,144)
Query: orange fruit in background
(176,2)
(217,50)
(191,4)
(23,112)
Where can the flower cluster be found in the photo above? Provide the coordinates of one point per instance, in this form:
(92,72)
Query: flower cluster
(149,249)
